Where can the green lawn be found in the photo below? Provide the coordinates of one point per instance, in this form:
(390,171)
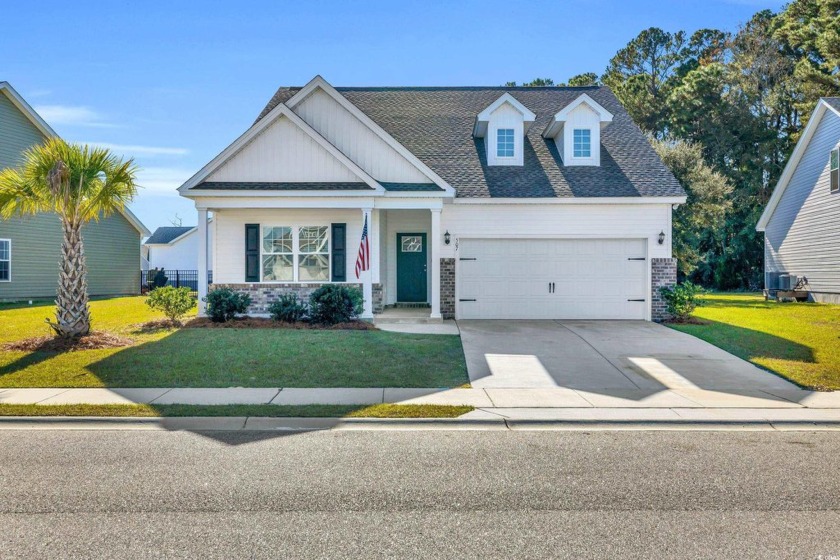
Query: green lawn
(225,357)
(260,410)
(799,341)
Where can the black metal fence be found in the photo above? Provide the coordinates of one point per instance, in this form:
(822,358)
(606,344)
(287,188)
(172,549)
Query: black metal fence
(154,278)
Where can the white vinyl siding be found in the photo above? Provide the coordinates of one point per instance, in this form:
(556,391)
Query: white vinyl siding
(5,260)
(802,236)
(229,236)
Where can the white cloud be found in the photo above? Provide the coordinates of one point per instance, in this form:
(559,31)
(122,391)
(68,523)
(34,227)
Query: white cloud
(131,150)
(162,180)
(71,116)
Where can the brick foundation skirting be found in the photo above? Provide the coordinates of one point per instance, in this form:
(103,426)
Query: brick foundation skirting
(263,295)
(447,288)
(663,272)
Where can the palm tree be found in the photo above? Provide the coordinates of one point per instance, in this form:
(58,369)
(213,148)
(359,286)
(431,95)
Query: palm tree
(80,184)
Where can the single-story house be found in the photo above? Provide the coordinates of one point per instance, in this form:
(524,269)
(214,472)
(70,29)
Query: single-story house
(175,248)
(801,222)
(477,202)
(30,247)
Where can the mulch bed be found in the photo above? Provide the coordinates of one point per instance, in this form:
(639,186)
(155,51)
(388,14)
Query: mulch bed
(261,323)
(157,325)
(688,321)
(92,341)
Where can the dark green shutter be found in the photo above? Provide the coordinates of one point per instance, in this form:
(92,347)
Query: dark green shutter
(339,252)
(252,252)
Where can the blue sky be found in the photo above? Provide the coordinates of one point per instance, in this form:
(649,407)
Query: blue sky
(172,83)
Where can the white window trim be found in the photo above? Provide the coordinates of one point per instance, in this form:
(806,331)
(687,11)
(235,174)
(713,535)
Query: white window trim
(834,150)
(9,241)
(582,158)
(513,137)
(296,252)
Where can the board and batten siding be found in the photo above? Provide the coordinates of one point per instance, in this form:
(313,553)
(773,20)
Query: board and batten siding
(356,140)
(802,236)
(228,243)
(283,153)
(112,245)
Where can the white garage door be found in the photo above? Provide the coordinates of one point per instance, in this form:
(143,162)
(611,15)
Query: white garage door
(552,279)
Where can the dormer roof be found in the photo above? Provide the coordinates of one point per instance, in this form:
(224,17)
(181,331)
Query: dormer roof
(483,118)
(555,125)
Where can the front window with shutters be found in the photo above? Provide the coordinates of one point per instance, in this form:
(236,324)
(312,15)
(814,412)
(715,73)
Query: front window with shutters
(295,254)
(834,170)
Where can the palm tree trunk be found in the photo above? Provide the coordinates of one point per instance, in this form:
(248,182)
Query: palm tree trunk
(72,313)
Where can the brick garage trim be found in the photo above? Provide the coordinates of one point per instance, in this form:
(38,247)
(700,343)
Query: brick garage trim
(663,273)
(447,288)
(263,295)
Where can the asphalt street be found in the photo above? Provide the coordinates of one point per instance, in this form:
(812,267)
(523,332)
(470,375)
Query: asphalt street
(429,494)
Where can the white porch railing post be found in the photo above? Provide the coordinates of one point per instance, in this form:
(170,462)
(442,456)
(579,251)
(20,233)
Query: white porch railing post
(367,275)
(434,243)
(202,259)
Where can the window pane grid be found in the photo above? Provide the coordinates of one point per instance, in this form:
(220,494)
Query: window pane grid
(295,254)
(582,143)
(504,142)
(5,260)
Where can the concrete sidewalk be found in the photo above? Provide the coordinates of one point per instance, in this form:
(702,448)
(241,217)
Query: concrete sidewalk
(489,398)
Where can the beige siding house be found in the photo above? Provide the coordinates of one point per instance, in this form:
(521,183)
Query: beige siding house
(801,223)
(30,247)
(479,202)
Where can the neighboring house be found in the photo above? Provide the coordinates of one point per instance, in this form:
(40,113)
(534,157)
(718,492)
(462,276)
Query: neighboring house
(175,248)
(801,222)
(30,247)
(480,202)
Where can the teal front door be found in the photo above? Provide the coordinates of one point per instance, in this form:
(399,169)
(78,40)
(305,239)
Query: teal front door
(411,267)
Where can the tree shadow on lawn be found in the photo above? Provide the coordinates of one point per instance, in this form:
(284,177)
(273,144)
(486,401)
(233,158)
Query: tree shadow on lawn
(286,358)
(749,344)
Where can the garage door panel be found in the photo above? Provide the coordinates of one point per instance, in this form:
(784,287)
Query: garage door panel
(592,278)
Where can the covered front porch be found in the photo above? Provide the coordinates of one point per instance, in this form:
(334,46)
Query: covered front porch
(304,243)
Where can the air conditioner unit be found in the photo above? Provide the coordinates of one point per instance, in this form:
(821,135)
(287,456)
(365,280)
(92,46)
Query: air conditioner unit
(784,281)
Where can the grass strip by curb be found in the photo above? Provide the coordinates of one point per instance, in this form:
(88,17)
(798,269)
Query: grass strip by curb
(264,410)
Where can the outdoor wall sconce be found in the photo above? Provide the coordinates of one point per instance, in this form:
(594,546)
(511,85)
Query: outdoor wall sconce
(446,237)
(661,237)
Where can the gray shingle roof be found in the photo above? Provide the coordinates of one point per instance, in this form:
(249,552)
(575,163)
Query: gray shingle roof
(436,125)
(167,233)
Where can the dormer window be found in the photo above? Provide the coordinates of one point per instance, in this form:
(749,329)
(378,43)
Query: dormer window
(504,143)
(503,126)
(576,130)
(582,143)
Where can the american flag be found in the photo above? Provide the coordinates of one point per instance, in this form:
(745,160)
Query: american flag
(363,260)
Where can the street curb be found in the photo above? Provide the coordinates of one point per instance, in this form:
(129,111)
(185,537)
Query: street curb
(293,424)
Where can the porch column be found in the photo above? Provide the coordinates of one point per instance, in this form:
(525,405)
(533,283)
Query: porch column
(434,244)
(367,275)
(202,259)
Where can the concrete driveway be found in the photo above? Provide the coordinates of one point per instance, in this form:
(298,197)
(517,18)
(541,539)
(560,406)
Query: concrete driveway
(622,359)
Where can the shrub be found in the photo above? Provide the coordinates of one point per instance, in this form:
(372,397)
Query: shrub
(333,303)
(682,299)
(223,304)
(174,302)
(288,309)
